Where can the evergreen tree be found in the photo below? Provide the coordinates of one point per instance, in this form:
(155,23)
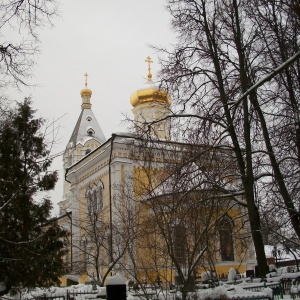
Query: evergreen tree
(31,245)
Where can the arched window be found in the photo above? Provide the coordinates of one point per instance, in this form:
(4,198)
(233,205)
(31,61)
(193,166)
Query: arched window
(94,197)
(90,131)
(225,227)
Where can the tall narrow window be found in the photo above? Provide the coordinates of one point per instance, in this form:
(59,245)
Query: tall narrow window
(179,243)
(89,200)
(83,243)
(100,197)
(226,240)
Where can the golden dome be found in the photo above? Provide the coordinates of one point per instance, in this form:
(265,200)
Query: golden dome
(150,94)
(86,92)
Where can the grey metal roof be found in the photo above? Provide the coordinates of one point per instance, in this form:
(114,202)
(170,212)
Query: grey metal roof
(87,127)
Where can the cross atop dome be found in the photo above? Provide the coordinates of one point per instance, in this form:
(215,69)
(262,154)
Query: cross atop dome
(149,61)
(86,76)
(86,92)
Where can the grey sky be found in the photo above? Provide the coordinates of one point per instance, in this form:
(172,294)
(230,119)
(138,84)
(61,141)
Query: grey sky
(110,41)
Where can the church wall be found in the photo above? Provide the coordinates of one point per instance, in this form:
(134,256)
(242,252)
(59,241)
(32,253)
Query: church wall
(242,245)
(129,182)
(99,218)
(91,176)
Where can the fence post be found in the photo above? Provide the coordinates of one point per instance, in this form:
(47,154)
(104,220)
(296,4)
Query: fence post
(116,288)
(281,289)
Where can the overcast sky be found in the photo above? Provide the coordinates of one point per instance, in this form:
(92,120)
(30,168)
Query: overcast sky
(110,41)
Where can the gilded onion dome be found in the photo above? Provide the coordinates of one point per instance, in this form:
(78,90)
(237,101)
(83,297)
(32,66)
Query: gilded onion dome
(86,91)
(86,94)
(150,93)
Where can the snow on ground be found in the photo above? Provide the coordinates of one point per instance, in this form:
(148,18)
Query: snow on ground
(224,291)
(243,288)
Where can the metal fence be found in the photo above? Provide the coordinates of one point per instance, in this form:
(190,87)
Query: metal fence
(72,294)
(45,297)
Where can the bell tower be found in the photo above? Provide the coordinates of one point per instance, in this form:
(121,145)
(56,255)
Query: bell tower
(87,135)
(151,106)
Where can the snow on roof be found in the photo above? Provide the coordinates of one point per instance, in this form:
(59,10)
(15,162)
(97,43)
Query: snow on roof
(73,277)
(116,280)
(282,253)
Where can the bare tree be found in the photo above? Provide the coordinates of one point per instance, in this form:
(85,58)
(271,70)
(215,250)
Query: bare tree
(220,55)
(20,22)
(280,126)
(183,208)
(99,248)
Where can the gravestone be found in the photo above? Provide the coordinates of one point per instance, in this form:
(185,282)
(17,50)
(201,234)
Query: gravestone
(250,273)
(190,284)
(116,288)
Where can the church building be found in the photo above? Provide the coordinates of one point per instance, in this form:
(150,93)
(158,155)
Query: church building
(129,213)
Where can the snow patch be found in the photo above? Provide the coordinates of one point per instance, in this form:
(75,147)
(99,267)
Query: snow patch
(116,280)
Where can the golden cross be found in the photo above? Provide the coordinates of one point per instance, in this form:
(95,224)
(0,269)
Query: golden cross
(149,61)
(86,76)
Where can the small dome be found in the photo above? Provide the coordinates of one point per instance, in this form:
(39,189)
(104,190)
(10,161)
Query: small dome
(150,93)
(86,92)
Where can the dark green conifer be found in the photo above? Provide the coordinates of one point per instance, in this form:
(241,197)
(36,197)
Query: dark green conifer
(31,245)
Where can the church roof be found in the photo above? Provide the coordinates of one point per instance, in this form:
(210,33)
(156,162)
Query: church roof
(87,127)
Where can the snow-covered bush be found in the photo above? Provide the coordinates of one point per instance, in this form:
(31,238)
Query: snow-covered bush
(269,292)
(206,276)
(218,293)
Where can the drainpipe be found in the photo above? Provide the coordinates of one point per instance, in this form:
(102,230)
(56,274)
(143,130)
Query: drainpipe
(69,215)
(110,197)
